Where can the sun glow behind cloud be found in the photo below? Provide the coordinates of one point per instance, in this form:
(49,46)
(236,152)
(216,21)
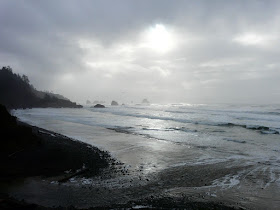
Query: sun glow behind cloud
(154,41)
(159,39)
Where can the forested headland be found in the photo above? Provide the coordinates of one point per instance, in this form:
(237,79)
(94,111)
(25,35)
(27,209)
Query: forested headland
(17,92)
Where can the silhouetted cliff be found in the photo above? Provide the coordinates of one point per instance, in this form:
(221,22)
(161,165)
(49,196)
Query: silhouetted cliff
(17,92)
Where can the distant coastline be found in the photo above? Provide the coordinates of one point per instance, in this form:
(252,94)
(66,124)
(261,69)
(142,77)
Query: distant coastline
(17,92)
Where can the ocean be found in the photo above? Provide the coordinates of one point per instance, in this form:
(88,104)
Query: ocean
(159,138)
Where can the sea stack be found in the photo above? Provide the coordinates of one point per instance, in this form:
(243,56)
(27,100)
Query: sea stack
(114,103)
(145,101)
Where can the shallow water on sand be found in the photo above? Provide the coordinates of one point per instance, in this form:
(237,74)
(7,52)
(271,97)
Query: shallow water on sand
(215,153)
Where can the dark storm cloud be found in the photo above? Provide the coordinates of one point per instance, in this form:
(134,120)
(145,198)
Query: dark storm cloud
(90,49)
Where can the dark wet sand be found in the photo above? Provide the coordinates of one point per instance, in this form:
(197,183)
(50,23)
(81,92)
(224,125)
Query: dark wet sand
(50,155)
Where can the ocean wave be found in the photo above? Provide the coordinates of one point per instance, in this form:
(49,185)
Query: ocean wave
(260,128)
(127,130)
(235,140)
(131,131)
(218,131)
(256,119)
(120,129)
(270,132)
(184,129)
(153,117)
(157,129)
(274,112)
(180,112)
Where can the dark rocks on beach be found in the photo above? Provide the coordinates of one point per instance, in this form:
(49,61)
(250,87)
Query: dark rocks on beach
(14,138)
(114,103)
(6,119)
(150,202)
(27,151)
(98,106)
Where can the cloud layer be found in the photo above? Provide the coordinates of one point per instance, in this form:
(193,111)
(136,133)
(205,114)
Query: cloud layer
(167,51)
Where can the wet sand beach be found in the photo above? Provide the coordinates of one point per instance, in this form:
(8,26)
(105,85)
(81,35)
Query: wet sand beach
(117,185)
(78,175)
(150,172)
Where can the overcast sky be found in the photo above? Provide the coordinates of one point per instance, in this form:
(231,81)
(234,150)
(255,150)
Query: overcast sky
(166,51)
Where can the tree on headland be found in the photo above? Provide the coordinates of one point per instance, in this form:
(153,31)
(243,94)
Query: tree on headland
(25,79)
(7,68)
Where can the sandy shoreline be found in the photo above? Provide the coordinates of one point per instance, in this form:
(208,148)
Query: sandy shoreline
(143,171)
(106,182)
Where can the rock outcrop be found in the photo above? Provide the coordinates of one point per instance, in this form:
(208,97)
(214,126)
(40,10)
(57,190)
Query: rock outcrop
(98,106)
(145,101)
(114,103)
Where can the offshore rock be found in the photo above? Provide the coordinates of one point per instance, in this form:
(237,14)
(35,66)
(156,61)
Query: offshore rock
(98,106)
(114,103)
